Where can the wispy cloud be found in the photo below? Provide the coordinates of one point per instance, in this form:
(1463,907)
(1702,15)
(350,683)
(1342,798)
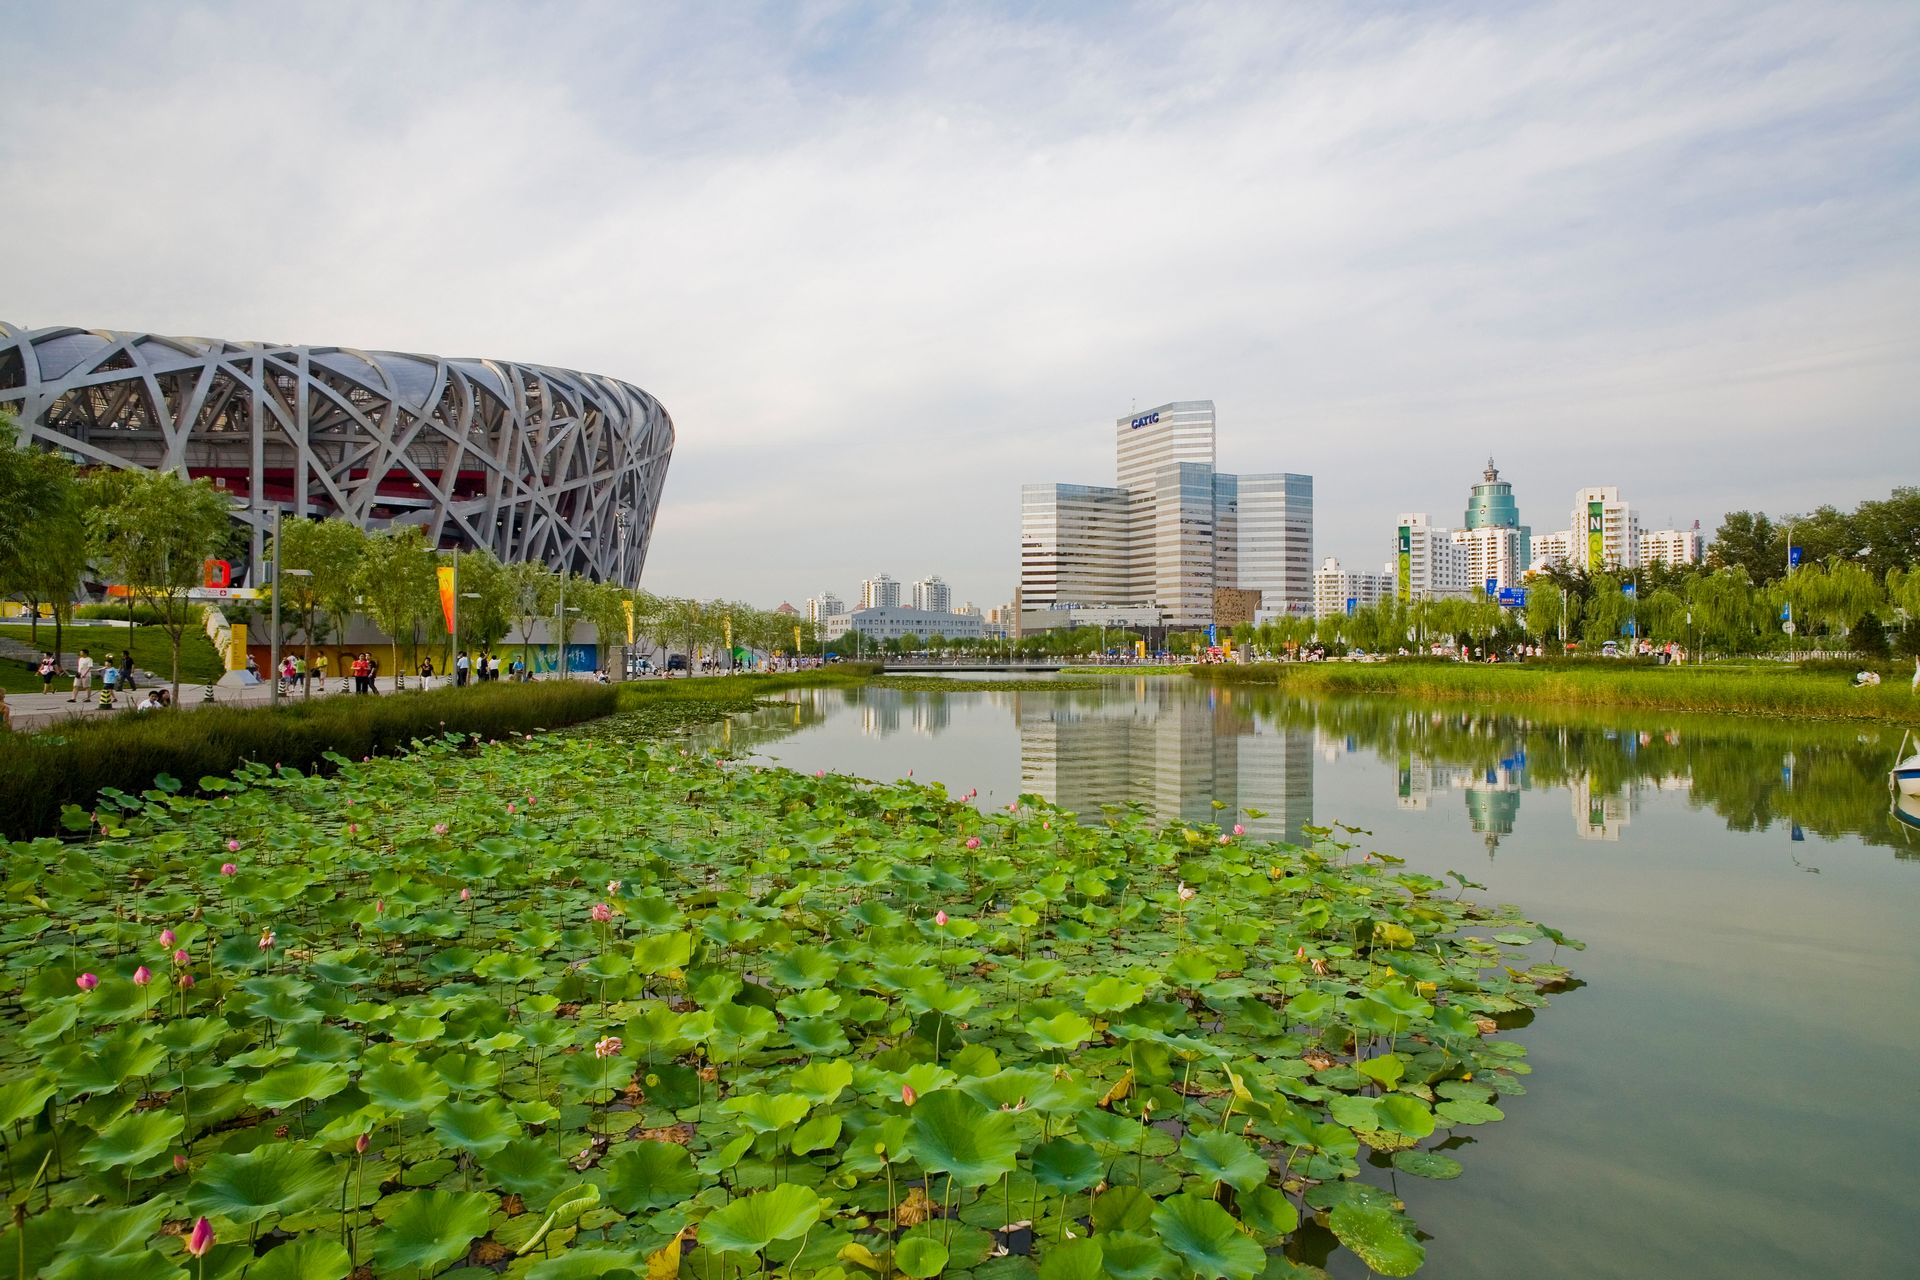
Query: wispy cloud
(884,264)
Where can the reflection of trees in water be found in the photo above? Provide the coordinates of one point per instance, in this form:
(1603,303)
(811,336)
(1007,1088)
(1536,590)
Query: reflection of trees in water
(1830,779)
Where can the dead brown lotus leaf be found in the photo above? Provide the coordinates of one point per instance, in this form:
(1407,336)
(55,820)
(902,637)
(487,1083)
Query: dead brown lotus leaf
(915,1209)
(679,1134)
(1316,1059)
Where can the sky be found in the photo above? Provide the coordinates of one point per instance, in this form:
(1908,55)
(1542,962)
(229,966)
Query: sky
(885,263)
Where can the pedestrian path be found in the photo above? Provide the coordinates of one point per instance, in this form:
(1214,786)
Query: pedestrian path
(38,710)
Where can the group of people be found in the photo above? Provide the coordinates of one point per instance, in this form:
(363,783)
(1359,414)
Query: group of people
(480,670)
(117,674)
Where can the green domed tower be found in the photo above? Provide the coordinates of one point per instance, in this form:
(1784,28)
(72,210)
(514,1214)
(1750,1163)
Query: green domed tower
(1492,507)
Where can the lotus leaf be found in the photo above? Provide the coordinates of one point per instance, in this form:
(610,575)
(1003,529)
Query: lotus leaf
(755,1221)
(273,1179)
(288,1086)
(479,1127)
(133,1139)
(1207,1238)
(650,1175)
(954,1134)
(1222,1157)
(428,1229)
(309,1257)
(1379,1236)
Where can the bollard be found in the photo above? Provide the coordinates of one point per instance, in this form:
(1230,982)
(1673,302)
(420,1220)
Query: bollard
(106,698)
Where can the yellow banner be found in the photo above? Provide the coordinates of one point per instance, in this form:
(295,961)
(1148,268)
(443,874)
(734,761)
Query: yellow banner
(726,629)
(446,594)
(628,606)
(796,639)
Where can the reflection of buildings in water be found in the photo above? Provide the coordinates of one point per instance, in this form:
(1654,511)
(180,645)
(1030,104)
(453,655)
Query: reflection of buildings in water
(1492,794)
(1171,753)
(1599,815)
(930,713)
(880,713)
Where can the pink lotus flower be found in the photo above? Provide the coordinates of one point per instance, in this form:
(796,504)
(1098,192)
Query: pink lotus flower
(200,1239)
(613,888)
(353,828)
(973,842)
(379,906)
(1225,838)
(1239,830)
(439,828)
(1187,892)
(361,1143)
(233,846)
(907,1094)
(142,976)
(186,980)
(87,981)
(1300,954)
(180,956)
(819,773)
(510,808)
(606,1047)
(601,913)
(266,939)
(466,895)
(166,937)
(1012,807)
(179,1163)
(227,869)
(940,918)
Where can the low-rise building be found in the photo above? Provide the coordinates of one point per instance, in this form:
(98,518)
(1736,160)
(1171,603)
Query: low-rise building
(891,623)
(1671,546)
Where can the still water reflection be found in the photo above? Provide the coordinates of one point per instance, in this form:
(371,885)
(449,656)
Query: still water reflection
(1735,1092)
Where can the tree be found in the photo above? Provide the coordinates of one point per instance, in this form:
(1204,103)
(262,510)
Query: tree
(1747,540)
(52,545)
(1889,530)
(323,599)
(398,584)
(153,530)
(534,588)
(605,605)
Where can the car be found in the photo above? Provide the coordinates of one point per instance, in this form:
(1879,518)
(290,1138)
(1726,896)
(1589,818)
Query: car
(677,662)
(1611,649)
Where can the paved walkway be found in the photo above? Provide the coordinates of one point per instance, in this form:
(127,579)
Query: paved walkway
(37,710)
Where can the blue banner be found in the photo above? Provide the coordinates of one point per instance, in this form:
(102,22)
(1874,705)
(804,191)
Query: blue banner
(1793,556)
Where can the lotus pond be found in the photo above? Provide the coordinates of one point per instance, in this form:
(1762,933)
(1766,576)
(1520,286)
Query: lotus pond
(586,1005)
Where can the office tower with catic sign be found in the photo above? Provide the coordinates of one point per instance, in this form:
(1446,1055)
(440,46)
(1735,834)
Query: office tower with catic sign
(1173,530)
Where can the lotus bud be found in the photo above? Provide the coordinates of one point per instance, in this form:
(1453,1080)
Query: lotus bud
(973,842)
(180,956)
(227,868)
(907,1094)
(200,1239)
(166,937)
(266,939)
(233,846)
(361,1143)
(1187,892)
(179,1163)
(466,895)
(601,912)
(439,828)
(186,980)
(940,918)
(142,976)
(1239,830)
(86,981)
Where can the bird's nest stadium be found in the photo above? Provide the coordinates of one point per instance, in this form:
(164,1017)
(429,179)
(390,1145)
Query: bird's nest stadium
(535,463)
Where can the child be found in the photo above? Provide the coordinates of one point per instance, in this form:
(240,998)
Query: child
(46,670)
(109,682)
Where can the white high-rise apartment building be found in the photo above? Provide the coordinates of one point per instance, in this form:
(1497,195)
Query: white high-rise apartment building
(1671,546)
(1334,586)
(880,592)
(1602,535)
(823,606)
(1493,556)
(1550,549)
(1171,531)
(932,594)
(1429,564)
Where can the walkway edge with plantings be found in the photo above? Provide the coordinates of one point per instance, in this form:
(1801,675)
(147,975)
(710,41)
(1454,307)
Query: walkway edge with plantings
(1783,692)
(78,760)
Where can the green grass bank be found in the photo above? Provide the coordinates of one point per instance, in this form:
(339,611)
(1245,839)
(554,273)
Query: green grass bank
(74,761)
(1747,690)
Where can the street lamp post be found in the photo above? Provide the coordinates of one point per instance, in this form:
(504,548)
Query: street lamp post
(273,652)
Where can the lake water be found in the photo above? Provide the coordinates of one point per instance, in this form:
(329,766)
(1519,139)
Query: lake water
(1733,1092)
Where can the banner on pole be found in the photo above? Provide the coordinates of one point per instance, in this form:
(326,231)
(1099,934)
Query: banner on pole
(446,594)
(628,606)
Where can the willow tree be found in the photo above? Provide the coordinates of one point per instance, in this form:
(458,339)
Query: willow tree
(322,597)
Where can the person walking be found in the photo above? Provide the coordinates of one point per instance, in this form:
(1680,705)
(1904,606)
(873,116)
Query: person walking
(82,676)
(126,672)
(426,673)
(373,674)
(320,669)
(461,665)
(46,670)
(109,682)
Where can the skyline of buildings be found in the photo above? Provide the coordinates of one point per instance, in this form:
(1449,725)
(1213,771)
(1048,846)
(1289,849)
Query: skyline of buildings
(1171,531)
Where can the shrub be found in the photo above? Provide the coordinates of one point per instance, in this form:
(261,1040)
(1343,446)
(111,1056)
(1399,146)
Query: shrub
(75,761)
(144,615)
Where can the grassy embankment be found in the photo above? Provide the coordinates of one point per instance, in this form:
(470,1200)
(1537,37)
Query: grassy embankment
(74,761)
(1776,691)
(152,651)
(1137,669)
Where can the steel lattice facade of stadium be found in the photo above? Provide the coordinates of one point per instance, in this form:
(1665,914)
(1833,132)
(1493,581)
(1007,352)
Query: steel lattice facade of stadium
(536,463)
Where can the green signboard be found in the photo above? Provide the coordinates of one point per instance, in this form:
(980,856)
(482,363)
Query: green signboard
(1596,535)
(1405,584)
